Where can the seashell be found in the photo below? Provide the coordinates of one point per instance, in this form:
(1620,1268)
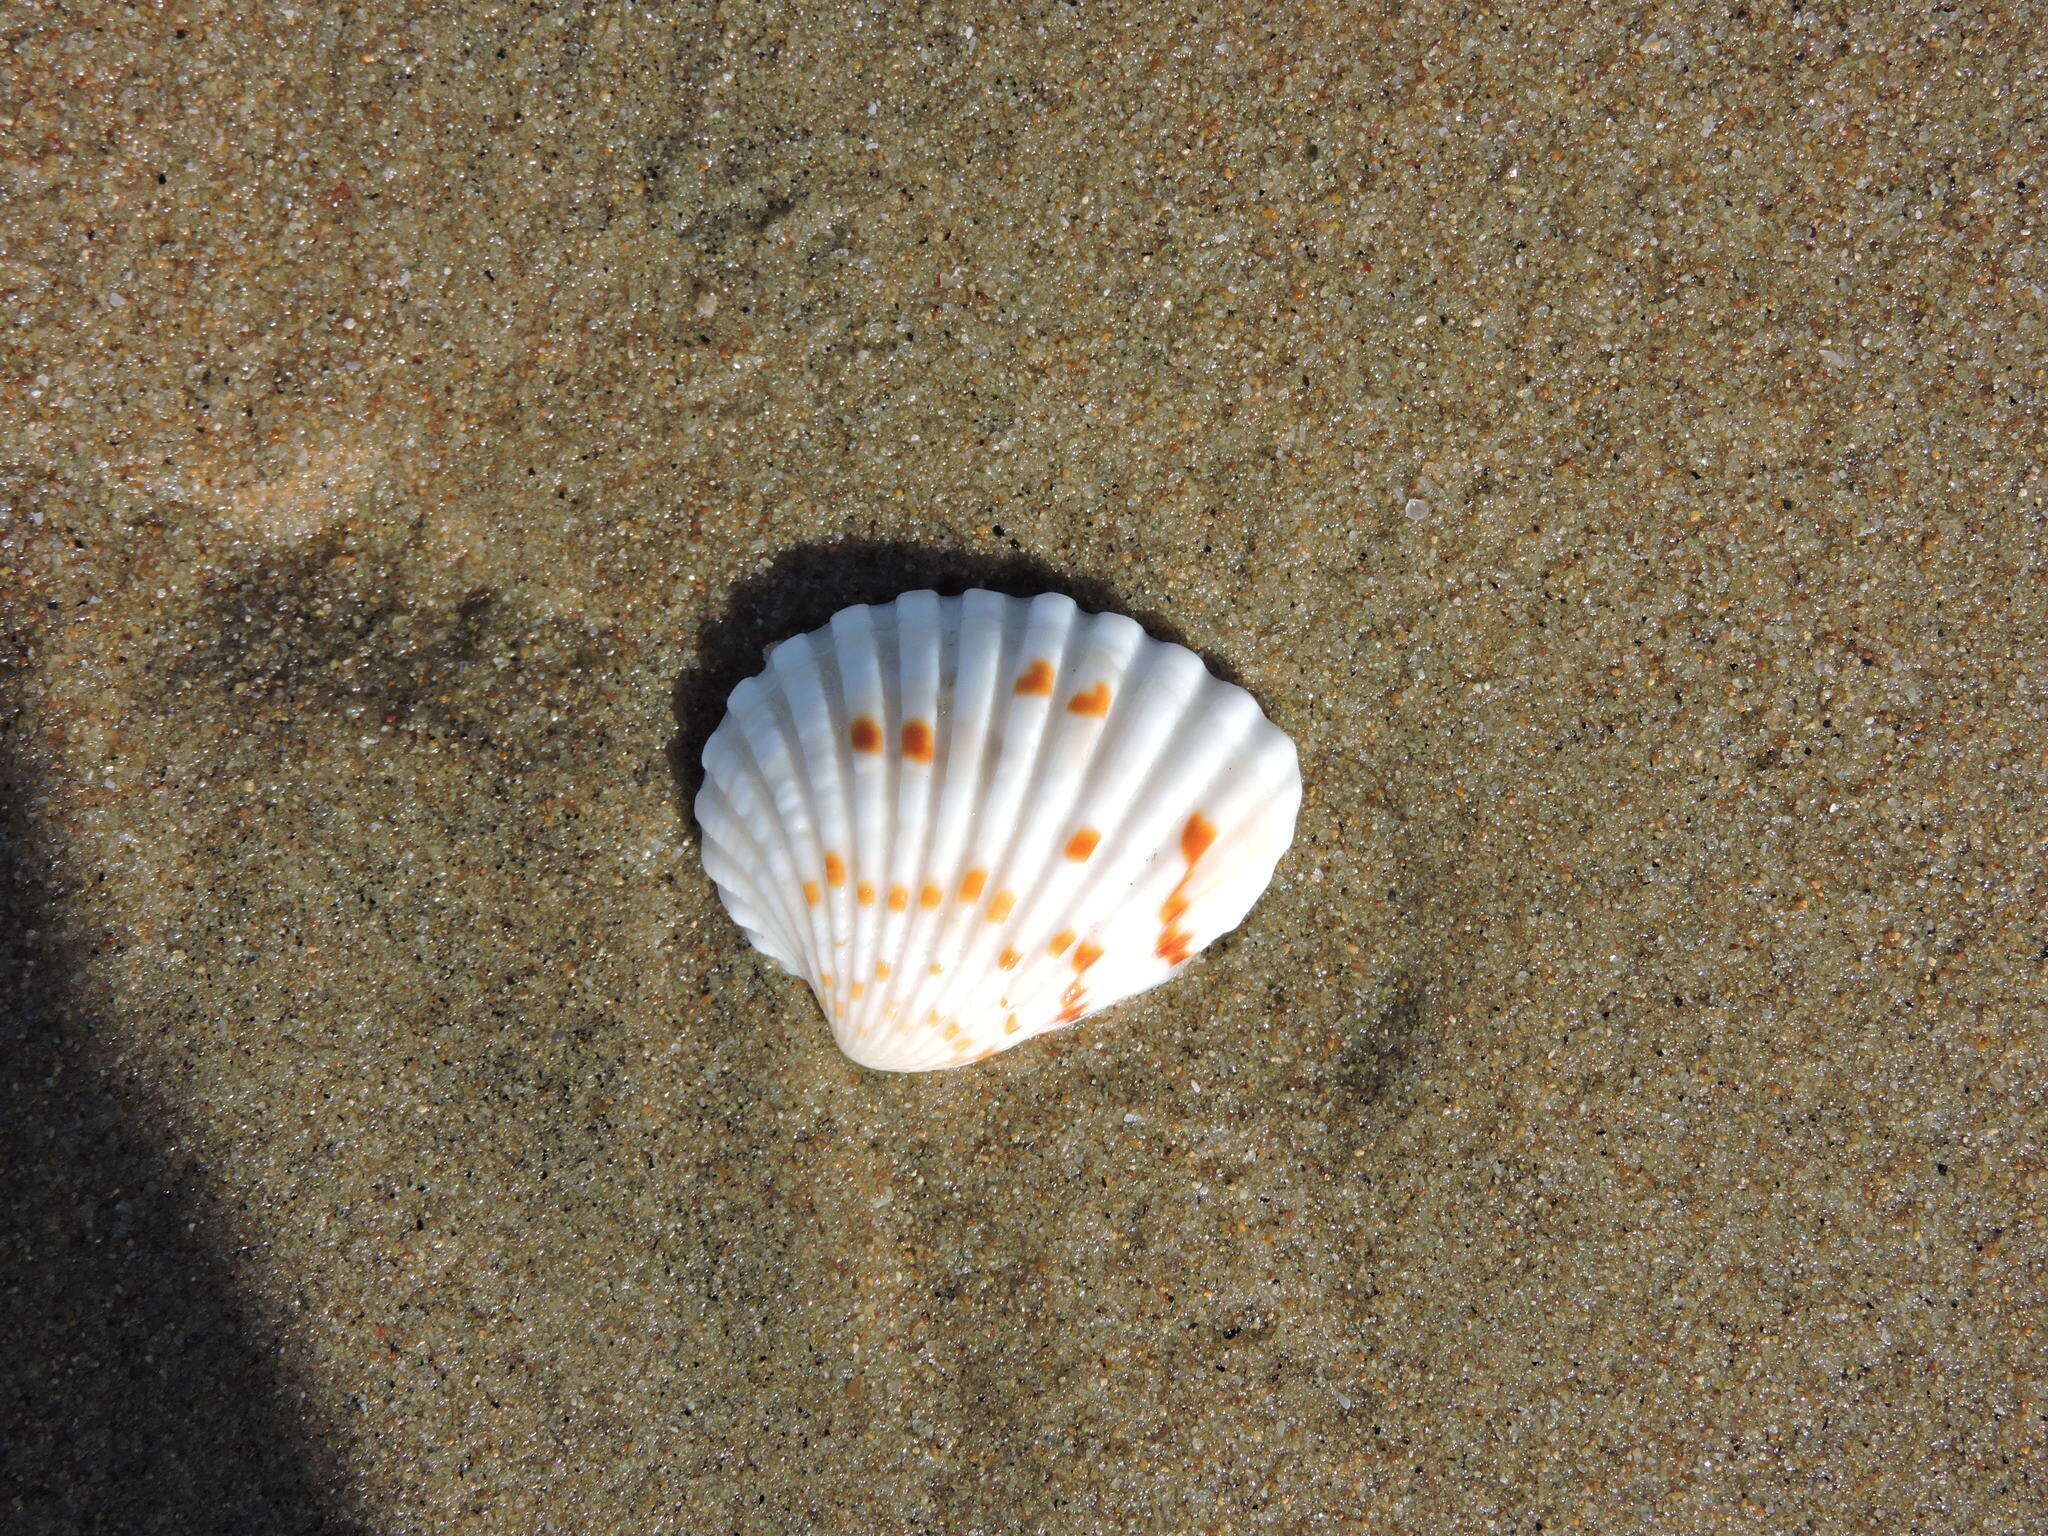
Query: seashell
(965,821)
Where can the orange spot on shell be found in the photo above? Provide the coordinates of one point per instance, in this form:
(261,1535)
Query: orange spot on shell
(937,969)
(881,970)
(1073,994)
(1086,956)
(1008,959)
(866,893)
(951,1030)
(1010,1025)
(999,906)
(1196,839)
(1061,940)
(971,884)
(835,869)
(1173,946)
(899,897)
(930,897)
(1037,678)
(1090,701)
(917,741)
(1082,843)
(811,892)
(1071,1012)
(867,736)
(859,987)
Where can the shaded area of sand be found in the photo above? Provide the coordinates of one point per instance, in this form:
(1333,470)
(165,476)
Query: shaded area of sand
(1610,445)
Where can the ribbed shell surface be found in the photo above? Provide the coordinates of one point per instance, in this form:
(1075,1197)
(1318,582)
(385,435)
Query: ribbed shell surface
(965,821)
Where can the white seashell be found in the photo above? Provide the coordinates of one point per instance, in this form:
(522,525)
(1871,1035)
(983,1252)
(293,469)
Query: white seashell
(969,820)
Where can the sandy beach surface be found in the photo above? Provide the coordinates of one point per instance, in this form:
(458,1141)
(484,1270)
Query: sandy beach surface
(1608,439)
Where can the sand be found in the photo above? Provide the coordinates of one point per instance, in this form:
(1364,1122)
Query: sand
(1609,442)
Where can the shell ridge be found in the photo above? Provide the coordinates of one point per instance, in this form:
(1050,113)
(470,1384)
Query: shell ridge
(722,865)
(1001,630)
(844,689)
(839,688)
(727,837)
(1106,771)
(1127,669)
(1014,634)
(1055,620)
(1182,781)
(753,776)
(816,750)
(1242,844)
(902,669)
(833,740)
(1004,870)
(1256,825)
(769,730)
(728,843)
(856,651)
(922,802)
(1237,801)
(891,699)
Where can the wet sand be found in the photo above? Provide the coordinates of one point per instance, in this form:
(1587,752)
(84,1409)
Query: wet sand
(1610,445)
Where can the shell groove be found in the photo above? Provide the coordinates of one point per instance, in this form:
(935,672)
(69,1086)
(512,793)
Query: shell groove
(965,821)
